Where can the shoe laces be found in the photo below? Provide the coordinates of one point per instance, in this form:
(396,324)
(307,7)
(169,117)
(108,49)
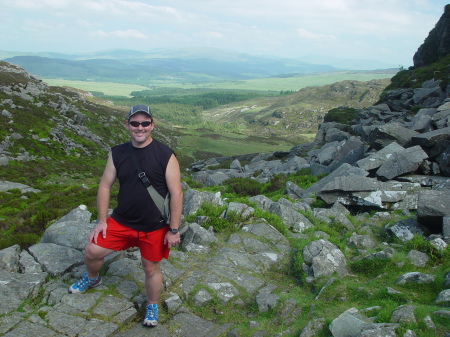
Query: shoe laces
(152,311)
(85,281)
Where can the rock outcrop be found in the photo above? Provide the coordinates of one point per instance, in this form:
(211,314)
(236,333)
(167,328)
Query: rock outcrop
(437,44)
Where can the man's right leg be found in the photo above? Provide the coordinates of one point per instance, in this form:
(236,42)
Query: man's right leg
(93,259)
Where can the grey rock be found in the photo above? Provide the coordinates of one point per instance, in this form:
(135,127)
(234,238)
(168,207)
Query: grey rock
(266,301)
(193,200)
(55,259)
(293,190)
(235,165)
(361,242)
(243,211)
(250,283)
(443,297)
(29,329)
(79,326)
(313,328)
(9,321)
(415,277)
(195,234)
(126,288)
(262,201)
(15,287)
(349,323)
(439,244)
(191,325)
(266,231)
(291,218)
(8,185)
(343,170)
(217,178)
(385,134)
(404,314)
(385,254)
(375,160)
(422,121)
(138,330)
(329,215)
(74,234)
(379,330)
(227,257)
(9,258)
(79,214)
(444,161)
(417,258)
(447,280)
(404,161)
(224,291)
(405,229)
(27,263)
(202,297)
(429,139)
(323,259)
(172,303)
(433,203)
(429,323)
(120,311)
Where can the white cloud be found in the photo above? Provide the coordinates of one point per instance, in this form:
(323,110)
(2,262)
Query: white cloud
(379,29)
(129,33)
(304,33)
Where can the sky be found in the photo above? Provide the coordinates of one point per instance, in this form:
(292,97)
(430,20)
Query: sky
(388,31)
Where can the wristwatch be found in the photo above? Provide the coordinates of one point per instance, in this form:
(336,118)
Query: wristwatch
(174,230)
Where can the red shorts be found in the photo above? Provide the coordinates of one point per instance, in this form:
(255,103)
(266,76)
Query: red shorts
(119,237)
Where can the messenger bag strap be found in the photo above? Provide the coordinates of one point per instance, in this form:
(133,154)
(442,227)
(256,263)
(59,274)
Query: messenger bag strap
(157,198)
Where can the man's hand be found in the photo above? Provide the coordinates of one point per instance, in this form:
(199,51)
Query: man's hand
(100,228)
(172,239)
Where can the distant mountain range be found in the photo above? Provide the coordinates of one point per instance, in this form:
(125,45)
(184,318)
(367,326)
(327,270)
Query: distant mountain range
(189,64)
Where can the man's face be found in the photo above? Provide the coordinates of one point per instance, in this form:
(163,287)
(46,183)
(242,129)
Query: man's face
(140,127)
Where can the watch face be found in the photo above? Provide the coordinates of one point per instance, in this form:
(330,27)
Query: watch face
(174,230)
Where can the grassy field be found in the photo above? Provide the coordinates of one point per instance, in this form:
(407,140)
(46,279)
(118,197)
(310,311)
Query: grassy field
(290,83)
(265,84)
(227,146)
(108,88)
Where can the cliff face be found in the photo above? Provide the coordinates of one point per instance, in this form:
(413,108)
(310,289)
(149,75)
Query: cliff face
(437,44)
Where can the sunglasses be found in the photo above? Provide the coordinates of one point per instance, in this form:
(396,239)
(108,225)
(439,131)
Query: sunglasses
(136,123)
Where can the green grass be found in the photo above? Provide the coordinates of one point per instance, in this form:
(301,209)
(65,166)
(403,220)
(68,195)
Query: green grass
(108,88)
(224,146)
(265,84)
(288,83)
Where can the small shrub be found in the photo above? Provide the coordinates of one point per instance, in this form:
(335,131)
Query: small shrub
(420,244)
(341,115)
(369,267)
(243,186)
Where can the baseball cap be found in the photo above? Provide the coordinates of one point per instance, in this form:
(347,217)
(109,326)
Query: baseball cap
(139,108)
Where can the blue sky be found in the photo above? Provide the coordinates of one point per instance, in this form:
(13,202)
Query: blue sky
(388,31)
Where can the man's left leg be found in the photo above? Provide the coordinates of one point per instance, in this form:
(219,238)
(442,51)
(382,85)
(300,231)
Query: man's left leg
(153,287)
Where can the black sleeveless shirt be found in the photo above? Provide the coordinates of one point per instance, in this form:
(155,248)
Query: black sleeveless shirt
(135,208)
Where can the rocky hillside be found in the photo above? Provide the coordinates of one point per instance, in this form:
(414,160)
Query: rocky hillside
(437,44)
(298,114)
(56,140)
(52,124)
(361,252)
(356,244)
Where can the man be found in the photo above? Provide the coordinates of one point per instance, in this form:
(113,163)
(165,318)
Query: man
(136,221)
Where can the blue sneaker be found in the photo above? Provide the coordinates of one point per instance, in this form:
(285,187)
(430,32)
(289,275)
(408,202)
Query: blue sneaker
(151,316)
(84,284)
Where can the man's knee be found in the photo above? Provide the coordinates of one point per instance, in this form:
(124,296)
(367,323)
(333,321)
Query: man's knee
(95,252)
(150,267)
